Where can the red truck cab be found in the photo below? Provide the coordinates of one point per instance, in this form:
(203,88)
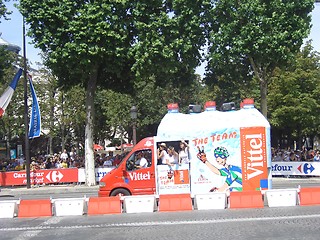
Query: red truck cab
(127,179)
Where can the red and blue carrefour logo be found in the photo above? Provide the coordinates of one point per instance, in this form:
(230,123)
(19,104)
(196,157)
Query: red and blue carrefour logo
(306,168)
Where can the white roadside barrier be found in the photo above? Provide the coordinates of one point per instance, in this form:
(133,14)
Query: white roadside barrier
(69,206)
(139,204)
(282,197)
(148,203)
(9,208)
(214,200)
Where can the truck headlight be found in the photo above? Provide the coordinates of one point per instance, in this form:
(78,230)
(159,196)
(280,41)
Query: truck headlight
(102,184)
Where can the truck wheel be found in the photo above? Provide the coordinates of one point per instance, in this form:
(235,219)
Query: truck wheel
(120,192)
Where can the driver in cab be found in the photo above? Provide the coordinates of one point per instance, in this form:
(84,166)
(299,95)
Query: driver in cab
(141,161)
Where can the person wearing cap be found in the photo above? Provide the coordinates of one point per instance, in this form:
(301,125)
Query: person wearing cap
(162,154)
(232,173)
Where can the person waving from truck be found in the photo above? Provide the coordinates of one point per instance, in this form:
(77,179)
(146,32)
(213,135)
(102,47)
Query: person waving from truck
(172,156)
(162,154)
(232,173)
(184,153)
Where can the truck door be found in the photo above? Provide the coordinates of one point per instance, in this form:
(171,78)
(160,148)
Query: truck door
(139,173)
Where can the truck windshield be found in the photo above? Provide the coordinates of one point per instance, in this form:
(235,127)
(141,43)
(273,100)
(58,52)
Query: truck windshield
(119,158)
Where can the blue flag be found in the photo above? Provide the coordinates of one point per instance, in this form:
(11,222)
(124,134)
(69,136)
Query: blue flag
(35,119)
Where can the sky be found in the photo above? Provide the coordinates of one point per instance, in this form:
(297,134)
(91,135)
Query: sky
(12,32)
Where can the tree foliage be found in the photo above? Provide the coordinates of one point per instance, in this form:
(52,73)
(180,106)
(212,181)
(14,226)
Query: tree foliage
(3,10)
(294,97)
(152,99)
(98,43)
(113,109)
(250,38)
(63,111)
(6,60)
(112,117)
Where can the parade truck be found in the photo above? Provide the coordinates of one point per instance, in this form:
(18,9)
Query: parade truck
(227,150)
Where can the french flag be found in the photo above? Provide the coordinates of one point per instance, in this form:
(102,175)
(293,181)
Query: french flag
(8,93)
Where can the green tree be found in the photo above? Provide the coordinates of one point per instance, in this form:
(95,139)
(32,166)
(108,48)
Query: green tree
(6,61)
(152,99)
(99,43)
(62,111)
(113,117)
(3,10)
(294,98)
(12,121)
(252,37)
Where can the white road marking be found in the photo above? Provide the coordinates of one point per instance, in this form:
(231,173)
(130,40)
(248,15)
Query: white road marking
(27,235)
(163,223)
(31,232)
(52,221)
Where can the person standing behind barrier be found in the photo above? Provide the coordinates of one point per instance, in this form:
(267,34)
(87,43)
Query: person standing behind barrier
(316,157)
(107,162)
(72,154)
(292,157)
(58,164)
(49,163)
(162,154)
(64,163)
(184,153)
(64,155)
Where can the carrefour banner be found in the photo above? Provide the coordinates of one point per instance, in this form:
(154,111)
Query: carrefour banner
(99,172)
(296,168)
(45,176)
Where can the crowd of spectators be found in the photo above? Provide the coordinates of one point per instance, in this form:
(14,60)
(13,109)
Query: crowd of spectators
(288,155)
(108,159)
(61,160)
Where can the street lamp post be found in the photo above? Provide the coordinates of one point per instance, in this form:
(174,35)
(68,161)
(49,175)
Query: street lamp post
(133,114)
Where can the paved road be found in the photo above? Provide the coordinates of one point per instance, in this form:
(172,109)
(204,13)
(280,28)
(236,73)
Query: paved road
(266,223)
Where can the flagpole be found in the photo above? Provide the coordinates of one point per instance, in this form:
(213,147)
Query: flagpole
(26,120)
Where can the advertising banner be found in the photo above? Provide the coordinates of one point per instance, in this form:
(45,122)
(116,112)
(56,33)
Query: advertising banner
(99,172)
(13,153)
(235,159)
(296,168)
(254,158)
(173,179)
(46,176)
(206,176)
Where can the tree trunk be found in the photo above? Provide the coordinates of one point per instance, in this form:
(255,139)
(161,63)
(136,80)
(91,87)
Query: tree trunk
(8,147)
(89,153)
(312,141)
(260,73)
(63,137)
(263,95)
(300,139)
(51,122)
